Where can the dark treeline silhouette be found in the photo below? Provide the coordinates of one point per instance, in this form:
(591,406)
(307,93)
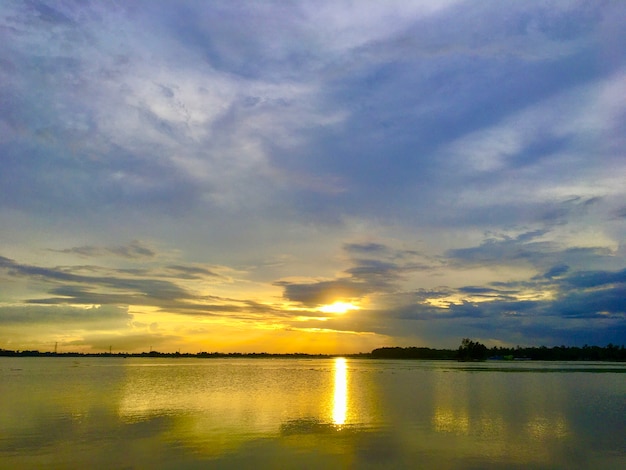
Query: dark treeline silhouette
(468,351)
(475,351)
(413,353)
(610,352)
(472,351)
(35,353)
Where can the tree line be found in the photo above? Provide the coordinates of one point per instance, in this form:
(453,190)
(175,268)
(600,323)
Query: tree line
(475,351)
(469,350)
(204,354)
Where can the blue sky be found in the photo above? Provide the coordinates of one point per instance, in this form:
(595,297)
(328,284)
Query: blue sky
(210,176)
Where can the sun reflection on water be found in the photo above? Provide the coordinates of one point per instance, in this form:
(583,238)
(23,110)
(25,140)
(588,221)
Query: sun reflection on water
(340,397)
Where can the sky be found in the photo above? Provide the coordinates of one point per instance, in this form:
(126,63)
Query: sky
(311,176)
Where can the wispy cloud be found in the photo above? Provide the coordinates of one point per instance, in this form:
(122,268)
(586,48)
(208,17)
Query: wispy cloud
(445,161)
(133,250)
(34,314)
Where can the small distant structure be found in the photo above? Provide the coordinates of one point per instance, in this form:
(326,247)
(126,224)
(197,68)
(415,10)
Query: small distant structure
(508,357)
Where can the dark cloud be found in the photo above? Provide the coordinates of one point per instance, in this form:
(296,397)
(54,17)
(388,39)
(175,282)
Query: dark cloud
(565,306)
(620,213)
(590,279)
(503,249)
(89,296)
(605,304)
(141,287)
(529,248)
(322,292)
(577,300)
(150,288)
(133,250)
(192,272)
(556,271)
(48,14)
(584,306)
(375,268)
(81,288)
(376,272)
(33,314)
(365,248)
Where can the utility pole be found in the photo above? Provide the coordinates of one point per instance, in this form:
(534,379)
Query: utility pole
(55,346)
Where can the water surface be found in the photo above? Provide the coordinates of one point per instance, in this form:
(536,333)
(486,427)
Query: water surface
(310,413)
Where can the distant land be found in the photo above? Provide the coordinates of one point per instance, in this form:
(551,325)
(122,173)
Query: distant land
(469,350)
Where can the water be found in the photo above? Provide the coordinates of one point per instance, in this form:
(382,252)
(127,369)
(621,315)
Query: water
(58,413)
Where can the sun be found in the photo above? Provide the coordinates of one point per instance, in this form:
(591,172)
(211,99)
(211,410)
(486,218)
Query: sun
(338,308)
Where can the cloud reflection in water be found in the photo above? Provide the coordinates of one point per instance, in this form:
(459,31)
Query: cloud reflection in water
(136,413)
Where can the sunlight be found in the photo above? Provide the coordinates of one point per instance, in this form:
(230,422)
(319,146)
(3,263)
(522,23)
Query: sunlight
(340,397)
(338,308)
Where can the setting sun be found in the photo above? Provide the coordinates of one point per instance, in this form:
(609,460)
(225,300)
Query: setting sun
(338,308)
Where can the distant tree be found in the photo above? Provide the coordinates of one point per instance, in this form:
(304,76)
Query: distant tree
(472,351)
(412,353)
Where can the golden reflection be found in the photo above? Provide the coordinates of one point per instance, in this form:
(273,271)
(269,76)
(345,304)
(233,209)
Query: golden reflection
(451,413)
(446,420)
(340,397)
(543,427)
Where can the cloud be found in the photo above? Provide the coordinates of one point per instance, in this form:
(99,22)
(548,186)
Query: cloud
(150,288)
(33,314)
(365,248)
(562,301)
(562,298)
(125,288)
(133,250)
(441,163)
(139,123)
(556,271)
(583,305)
(192,272)
(374,268)
(73,288)
(504,249)
(260,119)
(591,279)
(322,292)
(541,249)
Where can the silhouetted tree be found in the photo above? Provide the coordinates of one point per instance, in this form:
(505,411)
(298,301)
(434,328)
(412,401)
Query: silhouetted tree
(472,351)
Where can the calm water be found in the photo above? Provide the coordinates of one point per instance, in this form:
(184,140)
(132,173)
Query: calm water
(310,413)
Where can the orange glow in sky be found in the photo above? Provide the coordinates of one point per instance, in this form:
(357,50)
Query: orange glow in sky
(338,308)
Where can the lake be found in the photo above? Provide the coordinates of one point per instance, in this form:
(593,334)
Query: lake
(156,413)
